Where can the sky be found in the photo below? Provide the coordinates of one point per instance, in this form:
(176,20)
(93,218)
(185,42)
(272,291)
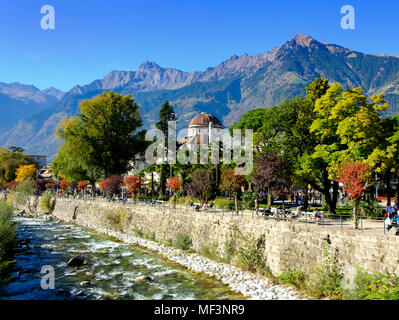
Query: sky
(92,38)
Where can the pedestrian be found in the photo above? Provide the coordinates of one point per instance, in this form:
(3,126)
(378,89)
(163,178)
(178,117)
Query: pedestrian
(389,209)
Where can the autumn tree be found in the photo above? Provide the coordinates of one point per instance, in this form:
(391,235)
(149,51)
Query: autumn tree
(64,185)
(112,185)
(232,184)
(25,171)
(272,173)
(10,160)
(173,183)
(82,185)
(355,177)
(133,184)
(202,184)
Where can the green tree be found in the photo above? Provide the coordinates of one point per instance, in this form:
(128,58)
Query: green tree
(166,114)
(104,135)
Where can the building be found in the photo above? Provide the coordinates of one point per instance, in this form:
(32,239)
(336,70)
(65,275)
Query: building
(40,160)
(202,129)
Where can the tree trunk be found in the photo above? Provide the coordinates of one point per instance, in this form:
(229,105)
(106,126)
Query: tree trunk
(355,204)
(236,203)
(93,188)
(269,198)
(388,183)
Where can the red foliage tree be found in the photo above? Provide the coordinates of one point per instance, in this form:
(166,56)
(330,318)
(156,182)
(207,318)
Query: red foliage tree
(355,177)
(49,185)
(112,185)
(133,183)
(173,183)
(11,185)
(64,185)
(82,185)
(272,173)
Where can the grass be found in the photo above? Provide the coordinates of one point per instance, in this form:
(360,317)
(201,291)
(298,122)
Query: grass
(7,241)
(182,241)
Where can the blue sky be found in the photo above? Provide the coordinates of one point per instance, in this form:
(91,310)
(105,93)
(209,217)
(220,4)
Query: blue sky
(92,38)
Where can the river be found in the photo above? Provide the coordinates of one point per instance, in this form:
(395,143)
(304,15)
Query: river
(111,269)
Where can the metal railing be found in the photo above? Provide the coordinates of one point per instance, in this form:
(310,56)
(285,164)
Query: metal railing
(322,219)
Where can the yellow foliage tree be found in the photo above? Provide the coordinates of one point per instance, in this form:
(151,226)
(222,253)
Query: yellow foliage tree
(25,171)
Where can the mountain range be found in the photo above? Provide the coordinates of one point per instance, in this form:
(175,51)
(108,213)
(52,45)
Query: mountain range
(228,90)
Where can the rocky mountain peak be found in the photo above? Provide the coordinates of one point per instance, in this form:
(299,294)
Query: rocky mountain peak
(303,40)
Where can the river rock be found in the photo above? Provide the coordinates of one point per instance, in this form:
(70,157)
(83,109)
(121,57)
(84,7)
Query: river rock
(85,283)
(143,279)
(76,262)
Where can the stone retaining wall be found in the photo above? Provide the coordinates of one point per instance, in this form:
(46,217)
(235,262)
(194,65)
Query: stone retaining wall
(288,245)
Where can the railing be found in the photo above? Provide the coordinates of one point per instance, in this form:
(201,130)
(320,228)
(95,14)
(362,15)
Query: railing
(337,221)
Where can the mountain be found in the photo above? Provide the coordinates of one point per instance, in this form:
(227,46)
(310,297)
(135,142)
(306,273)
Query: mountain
(228,90)
(19,100)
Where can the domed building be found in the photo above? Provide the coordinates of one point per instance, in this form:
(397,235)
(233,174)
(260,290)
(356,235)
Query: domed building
(202,129)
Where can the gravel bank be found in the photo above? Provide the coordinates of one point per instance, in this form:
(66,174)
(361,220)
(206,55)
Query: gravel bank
(253,286)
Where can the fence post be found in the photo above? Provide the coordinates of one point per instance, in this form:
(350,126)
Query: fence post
(340,220)
(322,218)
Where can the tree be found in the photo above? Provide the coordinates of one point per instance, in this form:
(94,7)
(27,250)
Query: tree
(64,185)
(202,184)
(104,137)
(355,177)
(174,184)
(25,171)
(49,185)
(9,162)
(24,190)
(166,114)
(40,184)
(82,185)
(11,185)
(72,161)
(133,183)
(232,184)
(112,185)
(272,174)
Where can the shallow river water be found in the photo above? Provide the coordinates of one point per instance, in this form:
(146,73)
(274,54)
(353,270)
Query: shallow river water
(111,270)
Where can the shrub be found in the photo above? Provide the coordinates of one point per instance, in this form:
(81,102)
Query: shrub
(292,277)
(229,249)
(209,251)
(182,241)
(221,203)
(249,198)
(376,286)
(138,232)
(325,281)
(47,204)
(251,253)
(7,240)
(117,219)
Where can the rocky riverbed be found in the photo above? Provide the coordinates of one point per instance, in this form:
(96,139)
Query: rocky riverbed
(253,286)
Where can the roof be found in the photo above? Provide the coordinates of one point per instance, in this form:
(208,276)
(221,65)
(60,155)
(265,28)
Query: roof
(203,119)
